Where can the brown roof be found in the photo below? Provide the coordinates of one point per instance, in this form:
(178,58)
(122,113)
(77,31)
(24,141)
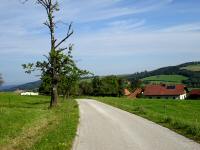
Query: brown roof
(135,93)
(195,92)
(165,90)
(126,92)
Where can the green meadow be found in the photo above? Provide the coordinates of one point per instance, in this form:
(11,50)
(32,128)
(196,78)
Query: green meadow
(180,116)
(174,79)
(27,123)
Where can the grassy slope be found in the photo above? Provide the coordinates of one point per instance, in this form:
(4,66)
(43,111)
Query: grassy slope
(165,79)
(181,116)
(27,123)
(192,67)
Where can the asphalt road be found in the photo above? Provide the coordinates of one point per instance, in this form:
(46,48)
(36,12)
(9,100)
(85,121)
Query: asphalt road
(104,127)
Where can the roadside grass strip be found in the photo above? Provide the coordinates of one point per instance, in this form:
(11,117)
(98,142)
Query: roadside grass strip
(27,123)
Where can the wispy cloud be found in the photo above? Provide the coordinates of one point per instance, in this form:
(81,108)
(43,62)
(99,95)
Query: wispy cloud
(191,27)
(94,10)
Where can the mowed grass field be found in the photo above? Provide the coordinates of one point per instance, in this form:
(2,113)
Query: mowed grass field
(180,116)
(173,79)
(192,67)
(27,123)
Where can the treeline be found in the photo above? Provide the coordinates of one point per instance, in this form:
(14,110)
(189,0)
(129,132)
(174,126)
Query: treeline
(105,86)
(97,86)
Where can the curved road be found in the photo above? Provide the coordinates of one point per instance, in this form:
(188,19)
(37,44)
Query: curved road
(103,127)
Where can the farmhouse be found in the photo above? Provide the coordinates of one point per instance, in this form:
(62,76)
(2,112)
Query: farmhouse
(165,91)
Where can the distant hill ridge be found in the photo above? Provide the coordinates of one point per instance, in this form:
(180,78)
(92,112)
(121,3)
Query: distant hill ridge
(169,70)
(28,86)
(192,81)
(193,77)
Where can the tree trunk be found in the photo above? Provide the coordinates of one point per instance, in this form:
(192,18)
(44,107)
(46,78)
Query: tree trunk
(54,94)
(68,94)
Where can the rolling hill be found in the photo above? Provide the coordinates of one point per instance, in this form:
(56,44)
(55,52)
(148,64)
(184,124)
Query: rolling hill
(195,67)
(191,76)
(28,86)
(187,73)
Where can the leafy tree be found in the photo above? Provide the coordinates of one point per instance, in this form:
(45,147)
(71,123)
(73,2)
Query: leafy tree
(136,84)
(97,86)
(1,80)
(45,87)
(122,85)
(85,88)
(56,59)
(69,79)
(108,86)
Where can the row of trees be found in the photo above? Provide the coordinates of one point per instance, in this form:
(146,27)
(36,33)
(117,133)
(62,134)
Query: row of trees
(73,86)
(105,86)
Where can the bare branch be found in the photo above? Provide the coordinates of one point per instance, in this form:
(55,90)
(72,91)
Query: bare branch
(69,33)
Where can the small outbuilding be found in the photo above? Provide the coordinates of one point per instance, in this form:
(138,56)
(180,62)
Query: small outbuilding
(29,93)
(194,94)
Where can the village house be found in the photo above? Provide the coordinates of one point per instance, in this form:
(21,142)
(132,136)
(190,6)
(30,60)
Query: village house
(163,91)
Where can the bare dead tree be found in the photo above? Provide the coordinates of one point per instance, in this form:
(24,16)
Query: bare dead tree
(53,65)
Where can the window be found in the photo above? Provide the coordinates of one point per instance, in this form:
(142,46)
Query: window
(171,87)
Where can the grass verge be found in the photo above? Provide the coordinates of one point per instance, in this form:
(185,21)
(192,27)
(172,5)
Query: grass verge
(180,116)
(27,123)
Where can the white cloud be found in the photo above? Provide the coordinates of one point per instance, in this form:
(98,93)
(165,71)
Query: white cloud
(128,43)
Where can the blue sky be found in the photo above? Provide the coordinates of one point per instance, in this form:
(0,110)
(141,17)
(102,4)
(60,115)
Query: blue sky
(111,36)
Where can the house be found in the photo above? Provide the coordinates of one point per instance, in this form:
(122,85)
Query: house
(29,93)
(163,91)
(194,94)
(136,93)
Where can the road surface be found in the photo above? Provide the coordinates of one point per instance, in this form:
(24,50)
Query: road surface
(103,127)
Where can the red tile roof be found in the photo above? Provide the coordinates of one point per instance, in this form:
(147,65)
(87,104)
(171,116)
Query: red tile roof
(195,92)
(164,90)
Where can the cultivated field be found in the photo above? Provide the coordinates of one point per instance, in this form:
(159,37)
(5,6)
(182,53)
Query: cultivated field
(192,67)
(27,123)
(165,79)
(181,116)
